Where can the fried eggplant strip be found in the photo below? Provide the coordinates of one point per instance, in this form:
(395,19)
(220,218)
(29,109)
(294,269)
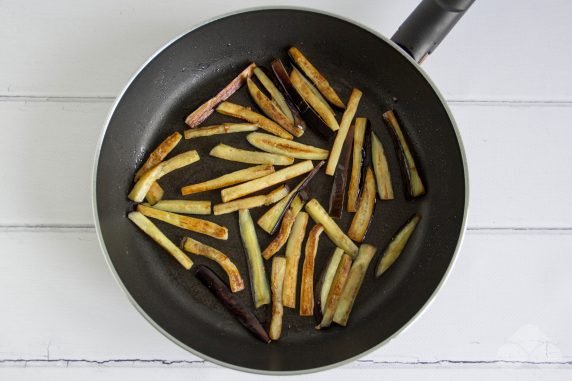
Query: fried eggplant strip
(289,148)
(353,284)
(325,282)
(184,206)
(245,113)
(336,289)
(397,245)
(276,284)
(156,235)
(293,253)
(342,133)
(366,205)
(198,248)
(252,202)
(337,194)
(229,179)
(185,222)
(142,185)
(333,231)
(381,169)
(357,162)
(159,153)
(316,77)
(222,151)
(258,280)
(307,284)
(207,108)
(220,129)
(277,177)
(276,96)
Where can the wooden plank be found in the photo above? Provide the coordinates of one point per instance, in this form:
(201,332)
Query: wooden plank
(514,155)
(125,373)
(507,299)
(76,56)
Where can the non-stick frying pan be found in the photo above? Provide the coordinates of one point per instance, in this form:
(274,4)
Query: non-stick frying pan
(196,66)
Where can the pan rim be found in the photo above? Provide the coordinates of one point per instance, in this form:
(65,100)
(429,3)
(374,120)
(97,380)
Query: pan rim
(197,353)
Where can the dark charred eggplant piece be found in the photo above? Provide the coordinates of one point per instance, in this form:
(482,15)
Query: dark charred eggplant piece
(366,205)
(219,289)
(324,284)
(311,118)
(396,246)
(358,158)
(303,184)
(412,177)
(338,191)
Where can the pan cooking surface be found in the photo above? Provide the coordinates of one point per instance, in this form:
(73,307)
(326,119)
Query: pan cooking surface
(193,69)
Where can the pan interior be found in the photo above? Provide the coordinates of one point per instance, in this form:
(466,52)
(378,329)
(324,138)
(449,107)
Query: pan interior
(197,66)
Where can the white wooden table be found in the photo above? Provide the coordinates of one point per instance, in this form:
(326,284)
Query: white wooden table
(505,312)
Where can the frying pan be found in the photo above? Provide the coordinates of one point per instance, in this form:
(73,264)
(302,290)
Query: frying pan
(194,67)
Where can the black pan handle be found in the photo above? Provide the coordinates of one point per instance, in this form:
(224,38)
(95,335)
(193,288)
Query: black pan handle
(428,25)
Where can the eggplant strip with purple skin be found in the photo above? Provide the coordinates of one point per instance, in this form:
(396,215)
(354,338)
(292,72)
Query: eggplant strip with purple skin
(336,290)
(358,158)
(282,236)
(300,108)
(381,169)
(270,108)
(198,248)
(324,284)
(307,282)
(412,177)
(316,77)
(207,108)
(353,284)
(293,253)
(338,191)
(342,133)
(231,302)
(366,205)
(275,94)
(276,285)
(397,245)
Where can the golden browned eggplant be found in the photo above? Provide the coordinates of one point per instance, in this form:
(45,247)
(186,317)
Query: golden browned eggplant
(307,282)
(229,179)
(245,113)
(397,245)
(366,205)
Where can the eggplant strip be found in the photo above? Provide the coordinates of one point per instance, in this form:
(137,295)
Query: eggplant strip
(229,179)
(276,285)
(185,222)
(307,284)
(337,194)
(142,185)
(293,253)
(252,202)
(270,108)
(256,270)
(309,93)
(154,194)
(220,129)
(316,77)
(336,289)
(222,151)
(300,108)
(366,205)
(231,302)
(156,235)
(397,245)
(277,97)
(159,154)
(353,284)
(184,206)
(245,113)
(289,148)
(277,177)
(206,109)
(198,248)
(325,282)
(333,231)
(342,133)
(271,218)
(415,187)
(381,169)
(282,236)
(358,159)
